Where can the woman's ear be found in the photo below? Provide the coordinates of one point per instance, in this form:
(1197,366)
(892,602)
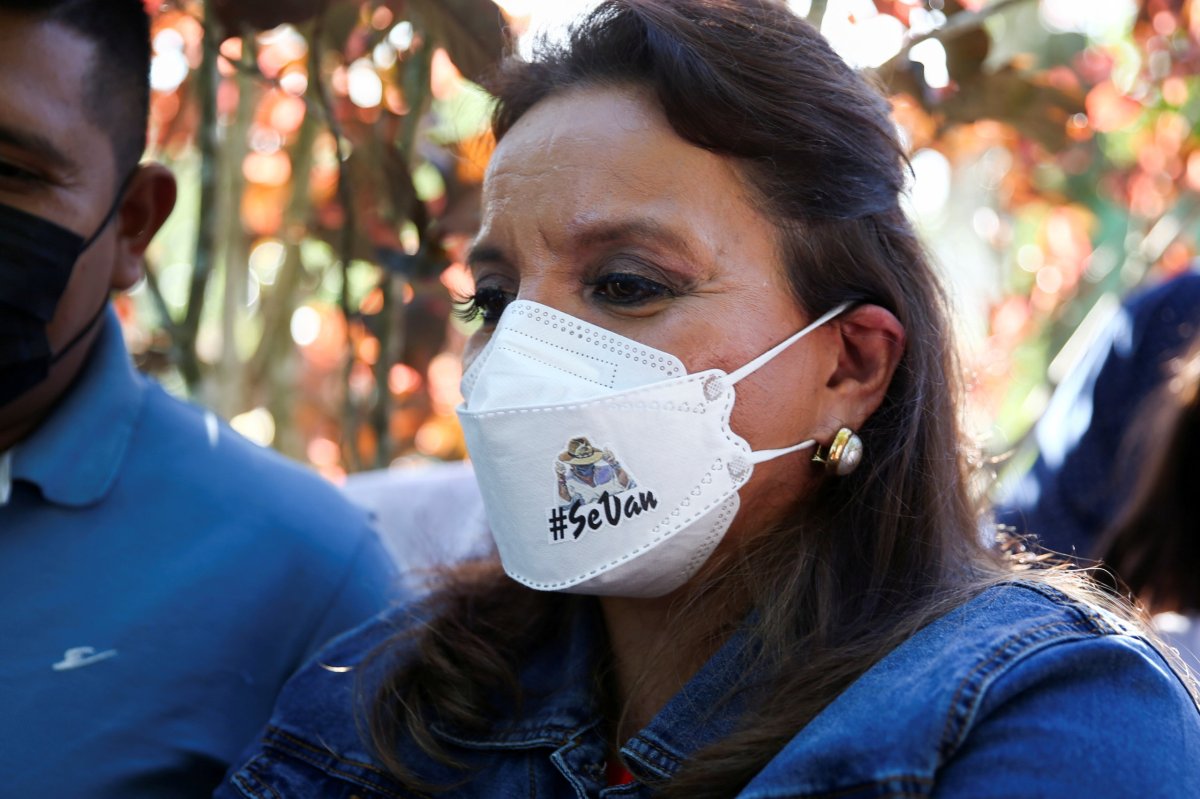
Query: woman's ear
(871,342)
(148,202)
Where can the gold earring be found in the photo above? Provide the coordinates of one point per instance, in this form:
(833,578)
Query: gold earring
(843,455)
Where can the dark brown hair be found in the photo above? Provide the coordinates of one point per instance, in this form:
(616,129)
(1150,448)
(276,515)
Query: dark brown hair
(1152,546)
(117,94)
(870,558)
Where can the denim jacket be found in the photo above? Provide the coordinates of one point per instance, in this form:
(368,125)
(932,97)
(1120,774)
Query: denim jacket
(1019,693)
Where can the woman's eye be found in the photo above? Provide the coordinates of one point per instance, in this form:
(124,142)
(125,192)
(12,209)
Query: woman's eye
(485,303)
(628,289)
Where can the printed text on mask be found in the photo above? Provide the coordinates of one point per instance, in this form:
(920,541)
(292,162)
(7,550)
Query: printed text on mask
(608,509)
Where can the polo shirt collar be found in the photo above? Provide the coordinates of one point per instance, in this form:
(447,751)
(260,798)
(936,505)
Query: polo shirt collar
(74,456)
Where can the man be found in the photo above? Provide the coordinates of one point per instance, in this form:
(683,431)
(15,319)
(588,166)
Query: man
(160,577)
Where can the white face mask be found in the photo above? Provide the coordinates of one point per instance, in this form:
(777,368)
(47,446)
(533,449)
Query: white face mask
(605,467)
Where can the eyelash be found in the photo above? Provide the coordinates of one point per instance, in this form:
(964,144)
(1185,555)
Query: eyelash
(489,303)
(482,304)
(644,289)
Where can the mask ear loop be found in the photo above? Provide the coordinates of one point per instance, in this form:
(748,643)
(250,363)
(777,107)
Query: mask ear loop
(760,455)
(112,211)
(78,337)
(762,360)
(96,317)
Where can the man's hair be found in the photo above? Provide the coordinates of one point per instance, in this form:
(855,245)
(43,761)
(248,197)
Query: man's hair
(117,93)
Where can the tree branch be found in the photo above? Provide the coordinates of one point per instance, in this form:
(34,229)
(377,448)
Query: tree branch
(207,79)
(816,13)
(346,242)
(957,25)
(164,311)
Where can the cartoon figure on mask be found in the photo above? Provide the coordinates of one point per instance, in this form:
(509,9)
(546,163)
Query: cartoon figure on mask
(586,473)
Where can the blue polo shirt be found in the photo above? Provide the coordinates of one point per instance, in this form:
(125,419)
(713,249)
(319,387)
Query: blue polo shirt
(160,578)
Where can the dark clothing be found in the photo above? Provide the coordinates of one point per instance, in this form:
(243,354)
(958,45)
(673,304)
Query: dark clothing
(1085,466)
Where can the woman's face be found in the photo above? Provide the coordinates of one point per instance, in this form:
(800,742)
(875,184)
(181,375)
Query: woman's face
(594,206)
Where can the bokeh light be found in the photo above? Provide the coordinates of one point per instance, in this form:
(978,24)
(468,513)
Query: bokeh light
(306,326)
(1044,146)
(258,425)
(363,84)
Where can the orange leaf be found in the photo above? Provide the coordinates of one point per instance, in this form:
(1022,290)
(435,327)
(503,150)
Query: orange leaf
(1110,110)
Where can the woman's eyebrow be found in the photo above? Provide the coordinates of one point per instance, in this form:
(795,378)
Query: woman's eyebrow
(593,234)
(640,229)
(484,253)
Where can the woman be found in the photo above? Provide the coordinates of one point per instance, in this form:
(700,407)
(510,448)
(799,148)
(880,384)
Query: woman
(693,261)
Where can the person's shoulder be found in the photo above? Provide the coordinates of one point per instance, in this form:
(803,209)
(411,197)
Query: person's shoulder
(1163,318)
(320,698)
(1178,295)
(1101,697)
(184,445)
(270,527)
(998,627)
(313,739)
(1021,660)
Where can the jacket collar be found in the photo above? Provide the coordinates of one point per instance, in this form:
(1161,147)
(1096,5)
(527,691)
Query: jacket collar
(75,455)
(706,710)
(560,703)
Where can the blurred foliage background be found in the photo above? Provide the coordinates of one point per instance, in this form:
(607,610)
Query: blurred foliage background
(330,153)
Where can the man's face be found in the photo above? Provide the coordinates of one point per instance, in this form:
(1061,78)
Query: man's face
(54,162)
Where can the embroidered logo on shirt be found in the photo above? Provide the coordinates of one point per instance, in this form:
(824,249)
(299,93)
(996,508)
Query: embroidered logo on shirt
(80,656)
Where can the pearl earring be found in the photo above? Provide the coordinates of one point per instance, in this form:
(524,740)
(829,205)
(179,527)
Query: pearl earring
(843,455)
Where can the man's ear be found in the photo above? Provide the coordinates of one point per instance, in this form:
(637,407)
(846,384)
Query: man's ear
(148,201)
(872,343)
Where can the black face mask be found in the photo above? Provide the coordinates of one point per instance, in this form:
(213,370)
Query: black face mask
(37,257)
